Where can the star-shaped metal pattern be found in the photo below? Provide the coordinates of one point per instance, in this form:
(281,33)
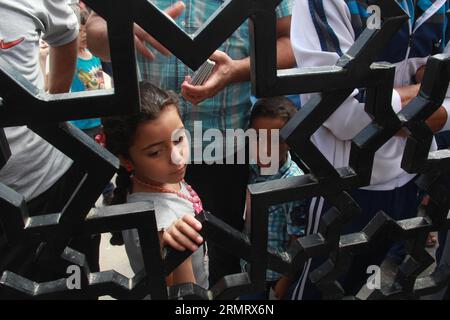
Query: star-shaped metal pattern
(333,184)
(355,69)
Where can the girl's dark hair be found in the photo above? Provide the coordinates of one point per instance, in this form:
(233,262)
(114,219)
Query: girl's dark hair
(120,131)
(276,107)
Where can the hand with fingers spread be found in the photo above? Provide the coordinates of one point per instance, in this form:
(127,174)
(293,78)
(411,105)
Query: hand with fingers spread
(97,35)
(141,37)
(225,72)
(183,234)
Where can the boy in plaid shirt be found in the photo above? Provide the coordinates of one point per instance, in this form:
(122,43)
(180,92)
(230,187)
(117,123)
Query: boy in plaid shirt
(286,221)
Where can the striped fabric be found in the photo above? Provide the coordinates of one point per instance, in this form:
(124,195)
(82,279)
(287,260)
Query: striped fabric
(433,33)
(358,11)
(328,39)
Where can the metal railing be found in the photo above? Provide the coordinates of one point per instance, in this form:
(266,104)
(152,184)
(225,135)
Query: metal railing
(22,104)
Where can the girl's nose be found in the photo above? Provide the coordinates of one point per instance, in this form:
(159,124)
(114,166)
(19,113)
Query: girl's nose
(177,157)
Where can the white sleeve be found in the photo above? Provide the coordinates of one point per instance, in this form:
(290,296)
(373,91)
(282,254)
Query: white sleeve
(60,22)
(164,214)
(312,49)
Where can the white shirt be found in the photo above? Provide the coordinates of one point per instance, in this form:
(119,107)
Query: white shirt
(35,165)
(168,208)
(334,137)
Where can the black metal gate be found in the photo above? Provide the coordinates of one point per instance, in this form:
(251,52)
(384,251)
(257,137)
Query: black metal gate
(22,104)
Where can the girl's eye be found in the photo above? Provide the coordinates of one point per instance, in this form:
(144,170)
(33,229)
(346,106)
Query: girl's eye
(154,154)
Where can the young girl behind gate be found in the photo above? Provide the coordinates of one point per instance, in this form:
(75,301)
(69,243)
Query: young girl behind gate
(153,165)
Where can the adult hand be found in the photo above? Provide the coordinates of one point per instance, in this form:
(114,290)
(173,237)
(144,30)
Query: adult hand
(141,37)
(224,73)
(407,94)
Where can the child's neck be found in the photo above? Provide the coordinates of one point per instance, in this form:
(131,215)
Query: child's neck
(83,53)
(145,185)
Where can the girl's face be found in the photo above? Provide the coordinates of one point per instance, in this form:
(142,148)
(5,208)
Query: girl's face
(157,155)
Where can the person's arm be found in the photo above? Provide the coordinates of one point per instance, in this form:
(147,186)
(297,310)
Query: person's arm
(408,93)
(228,71)
(181,235)
(438,120)
(43,59)
(285,55)
(319,47)
(97,35)
(183,273)
(43,54)
(62,67)
(60,32)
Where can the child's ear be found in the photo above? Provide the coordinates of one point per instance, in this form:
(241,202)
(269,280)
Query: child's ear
(127,164)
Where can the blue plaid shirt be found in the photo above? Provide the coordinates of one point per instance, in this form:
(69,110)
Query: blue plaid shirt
(230,109)
(285,220)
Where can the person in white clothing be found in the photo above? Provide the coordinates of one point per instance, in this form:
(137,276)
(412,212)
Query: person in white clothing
(36,169)
(321,32)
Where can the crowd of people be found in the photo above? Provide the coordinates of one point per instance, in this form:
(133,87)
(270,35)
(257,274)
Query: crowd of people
(64,47)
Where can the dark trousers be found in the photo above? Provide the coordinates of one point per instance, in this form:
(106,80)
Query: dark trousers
(222,188)
(20,258)
(443,142)
(400,203)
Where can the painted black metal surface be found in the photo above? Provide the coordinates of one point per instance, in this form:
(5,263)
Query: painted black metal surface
(22,104)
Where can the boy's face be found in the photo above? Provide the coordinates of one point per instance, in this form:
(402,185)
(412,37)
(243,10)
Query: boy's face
(155,157)
(82,37)
(270,125)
